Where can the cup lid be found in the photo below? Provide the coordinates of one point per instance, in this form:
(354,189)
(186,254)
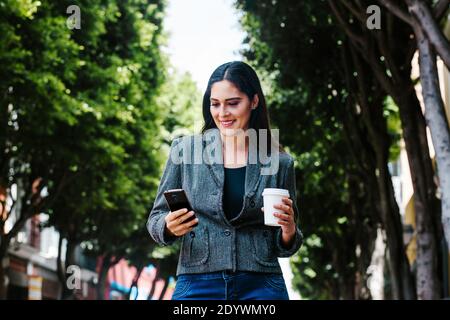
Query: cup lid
(275,191)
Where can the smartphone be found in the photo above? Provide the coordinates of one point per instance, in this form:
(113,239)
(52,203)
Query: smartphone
(176,199)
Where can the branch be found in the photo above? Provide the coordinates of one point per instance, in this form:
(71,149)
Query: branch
(387,54)
(440,9)
(67,177)
(24,215)
(361,17)
(379,72)
(18,225)
(28,210)
(115,260)
(60,269)
(6,214)
(355,37)
(431,29)
(350,125)
(363,101)
(396,10)
(390,20)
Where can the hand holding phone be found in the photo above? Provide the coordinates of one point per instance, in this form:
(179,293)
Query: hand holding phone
(181,218)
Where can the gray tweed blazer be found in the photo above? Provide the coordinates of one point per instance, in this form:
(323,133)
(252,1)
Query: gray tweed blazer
(243,243)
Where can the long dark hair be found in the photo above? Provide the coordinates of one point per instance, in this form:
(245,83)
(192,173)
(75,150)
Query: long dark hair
(246,80)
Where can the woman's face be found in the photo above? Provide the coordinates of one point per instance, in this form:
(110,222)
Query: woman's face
(230,108)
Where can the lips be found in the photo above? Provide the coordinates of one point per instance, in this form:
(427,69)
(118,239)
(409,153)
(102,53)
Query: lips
(228,123)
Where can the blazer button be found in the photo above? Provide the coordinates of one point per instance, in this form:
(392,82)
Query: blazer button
(192,234)
(227,233)
(252,203)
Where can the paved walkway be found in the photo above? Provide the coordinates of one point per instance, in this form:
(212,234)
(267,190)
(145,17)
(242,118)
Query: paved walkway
(287,274)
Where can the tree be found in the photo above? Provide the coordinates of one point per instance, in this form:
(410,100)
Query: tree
(425,15)
(336,196)
(34,100)
(314,74)
(430,40)
(389,51)
(95,92)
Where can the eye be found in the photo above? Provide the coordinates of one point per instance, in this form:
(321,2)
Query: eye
(234,103)
(215,105)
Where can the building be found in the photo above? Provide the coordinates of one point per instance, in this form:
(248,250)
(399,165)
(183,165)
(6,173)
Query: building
(31,267)
(32,264)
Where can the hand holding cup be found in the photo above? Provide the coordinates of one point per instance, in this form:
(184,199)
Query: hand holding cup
(279,199)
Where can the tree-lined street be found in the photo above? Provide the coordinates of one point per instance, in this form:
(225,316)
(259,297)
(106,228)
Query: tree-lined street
(87,116)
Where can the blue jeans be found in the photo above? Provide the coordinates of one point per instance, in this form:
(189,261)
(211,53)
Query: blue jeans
(227,285)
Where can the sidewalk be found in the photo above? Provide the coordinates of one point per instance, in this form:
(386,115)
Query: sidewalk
(287,274)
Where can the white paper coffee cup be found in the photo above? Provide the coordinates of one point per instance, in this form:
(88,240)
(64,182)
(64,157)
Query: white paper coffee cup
(272,196)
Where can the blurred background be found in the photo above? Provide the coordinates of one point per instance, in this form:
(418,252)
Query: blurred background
(93,92)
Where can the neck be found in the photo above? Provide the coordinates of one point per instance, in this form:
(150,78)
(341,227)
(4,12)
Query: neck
(235,149)
(236,143)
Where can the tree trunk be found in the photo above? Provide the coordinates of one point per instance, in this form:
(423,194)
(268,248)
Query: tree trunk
(3,254)
(401,278)
(425,20)
(401,88)
(152,289)
(66,293)
(414,135)
(108,261)
(436,120)
(102,274)
(135,281)
(5,240)
(404,284)
(26,212)
(377,161)
(59,265)
(164,289)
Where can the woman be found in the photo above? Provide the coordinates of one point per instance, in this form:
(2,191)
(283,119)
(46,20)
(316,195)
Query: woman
(228,252)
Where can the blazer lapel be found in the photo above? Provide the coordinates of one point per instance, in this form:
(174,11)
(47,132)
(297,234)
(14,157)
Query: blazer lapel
(213,155)
(253,171)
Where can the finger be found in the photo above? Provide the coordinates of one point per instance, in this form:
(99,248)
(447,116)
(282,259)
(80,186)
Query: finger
(178,213)
(289,203)
(283,223)
(283,207)
(179,230)
(283,216)
(184,217)
(193,222)
(184,228)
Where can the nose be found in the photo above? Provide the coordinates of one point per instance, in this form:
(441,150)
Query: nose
(223,111)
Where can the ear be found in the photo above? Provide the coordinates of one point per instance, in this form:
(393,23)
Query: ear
(255,101)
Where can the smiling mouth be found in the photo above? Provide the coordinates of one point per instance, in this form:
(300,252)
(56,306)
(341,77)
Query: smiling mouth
(228,123)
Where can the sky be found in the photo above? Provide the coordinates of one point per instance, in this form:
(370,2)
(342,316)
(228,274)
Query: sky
(203,34)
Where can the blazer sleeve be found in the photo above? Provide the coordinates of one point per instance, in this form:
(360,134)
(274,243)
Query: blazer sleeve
(171,179)
(289,184)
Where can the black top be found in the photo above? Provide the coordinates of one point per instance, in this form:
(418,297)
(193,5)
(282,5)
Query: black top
(233,191)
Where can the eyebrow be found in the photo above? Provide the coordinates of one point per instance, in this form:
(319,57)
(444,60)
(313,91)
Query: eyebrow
(234,98)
